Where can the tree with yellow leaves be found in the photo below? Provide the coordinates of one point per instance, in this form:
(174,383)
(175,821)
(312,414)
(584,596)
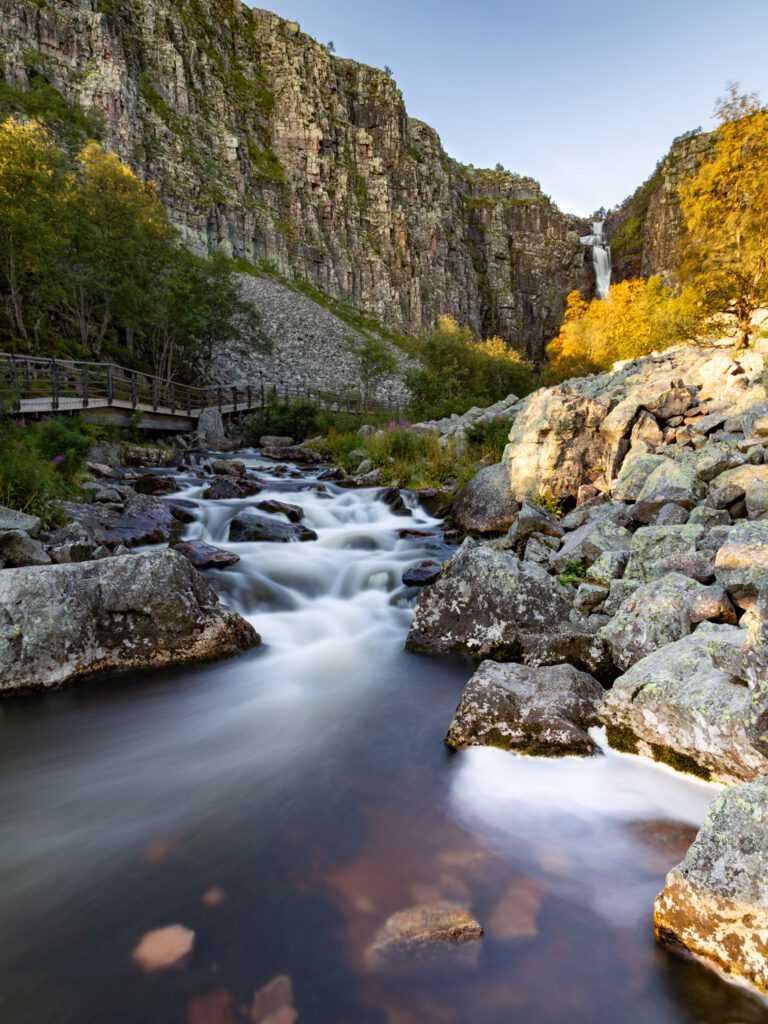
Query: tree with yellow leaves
(725,205)
(32,189)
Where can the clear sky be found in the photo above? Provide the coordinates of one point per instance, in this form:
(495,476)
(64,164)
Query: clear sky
(584,95)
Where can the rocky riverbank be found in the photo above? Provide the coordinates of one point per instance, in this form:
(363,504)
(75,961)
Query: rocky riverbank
(624,538)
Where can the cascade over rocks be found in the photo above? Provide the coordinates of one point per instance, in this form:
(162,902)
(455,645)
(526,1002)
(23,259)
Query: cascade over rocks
(61,623)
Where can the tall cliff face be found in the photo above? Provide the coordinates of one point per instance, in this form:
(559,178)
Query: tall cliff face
(261,141)
(646,231)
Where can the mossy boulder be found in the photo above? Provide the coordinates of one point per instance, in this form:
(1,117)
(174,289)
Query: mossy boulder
(537,711)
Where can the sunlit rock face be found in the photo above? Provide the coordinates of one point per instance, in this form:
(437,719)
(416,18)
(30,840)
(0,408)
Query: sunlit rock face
(264,143)
(715,903)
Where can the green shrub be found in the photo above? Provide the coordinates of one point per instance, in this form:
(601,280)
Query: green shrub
(39,464)
(552,505)
(490,438)
(300,418)
(573,572)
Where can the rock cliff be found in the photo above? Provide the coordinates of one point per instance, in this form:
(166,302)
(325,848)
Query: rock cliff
(646,230)
(262,142)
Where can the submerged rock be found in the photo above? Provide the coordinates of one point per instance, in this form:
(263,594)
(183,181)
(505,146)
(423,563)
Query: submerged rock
(678,707)
(410,936)
(165,948)
(486,504)
(715,903)
(543,712)
(60,623)
(273,1002)
(482,601)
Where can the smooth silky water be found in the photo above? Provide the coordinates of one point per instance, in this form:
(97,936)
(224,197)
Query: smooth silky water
(308,782)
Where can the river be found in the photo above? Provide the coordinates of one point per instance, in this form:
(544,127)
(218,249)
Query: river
(284,803)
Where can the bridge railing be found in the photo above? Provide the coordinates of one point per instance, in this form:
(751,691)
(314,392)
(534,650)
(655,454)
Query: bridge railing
(59,385)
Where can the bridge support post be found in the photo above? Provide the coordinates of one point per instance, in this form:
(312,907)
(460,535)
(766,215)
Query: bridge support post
(85,387)
(134,390)
(110,385)
(55,385)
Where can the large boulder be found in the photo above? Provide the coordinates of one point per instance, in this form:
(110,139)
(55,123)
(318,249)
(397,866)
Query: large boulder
(486,504)
(555,444)
(669,483)
(482,602)
(538,711)
(741,563)
(715,903)
(652,616)
(60,623)
(590,542)
(634,474)
(652,546)
(677,707)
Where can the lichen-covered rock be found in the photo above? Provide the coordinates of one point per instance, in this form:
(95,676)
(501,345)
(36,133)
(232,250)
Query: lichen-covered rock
(555,444)
(482,602)
(532,520)
(652,544)
(669,483)
(634,474)
(741,563)
(10,519)
(486,504)
(537,711)
(677,707)
(205,556)
(17,548)
(60,623)
(571,645)
(655,614)
(590,542)
(712,604)
(715,903)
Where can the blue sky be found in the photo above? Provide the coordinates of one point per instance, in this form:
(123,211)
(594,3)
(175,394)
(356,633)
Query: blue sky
(585,96)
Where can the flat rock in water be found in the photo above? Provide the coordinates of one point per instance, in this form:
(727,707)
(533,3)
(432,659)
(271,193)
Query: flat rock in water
(715,903)
(292,453)
(251,527)
(203,555)
(410,936)
(275,441)
(144,519)
(421,575)
(225,487)
(60,623)
(165,948)
(543,712)
(293,513)
(151,484)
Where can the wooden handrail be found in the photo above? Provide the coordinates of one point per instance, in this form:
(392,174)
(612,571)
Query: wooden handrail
(64,385)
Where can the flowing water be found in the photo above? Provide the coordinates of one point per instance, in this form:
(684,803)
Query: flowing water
(284,803)
(601,258)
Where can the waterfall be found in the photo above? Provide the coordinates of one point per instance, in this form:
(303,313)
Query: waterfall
(601,258)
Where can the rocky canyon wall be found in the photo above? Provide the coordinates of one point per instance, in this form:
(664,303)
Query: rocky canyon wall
(261,141)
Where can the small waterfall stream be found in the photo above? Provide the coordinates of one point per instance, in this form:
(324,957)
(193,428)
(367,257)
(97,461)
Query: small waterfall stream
(601,258)
(306,786)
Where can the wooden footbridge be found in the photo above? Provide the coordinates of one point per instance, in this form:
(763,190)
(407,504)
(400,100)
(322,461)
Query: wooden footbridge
(107,393)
